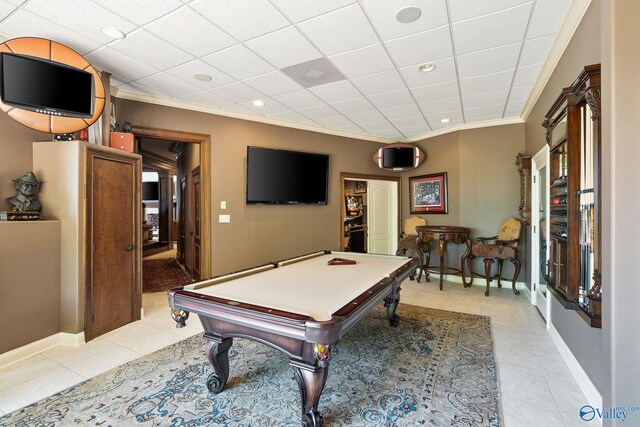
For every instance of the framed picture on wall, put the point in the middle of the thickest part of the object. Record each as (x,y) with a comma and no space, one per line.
(428,193)
(360,187)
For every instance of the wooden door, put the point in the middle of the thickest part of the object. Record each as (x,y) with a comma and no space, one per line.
(195,220)
(112,240)
(182,220)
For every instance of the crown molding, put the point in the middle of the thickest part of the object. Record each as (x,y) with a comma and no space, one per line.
(133,96)
(467,126)
(571,22)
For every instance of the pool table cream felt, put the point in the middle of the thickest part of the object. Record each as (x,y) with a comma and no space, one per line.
(309,287)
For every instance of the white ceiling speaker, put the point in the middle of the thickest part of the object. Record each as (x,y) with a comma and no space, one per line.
(408,15)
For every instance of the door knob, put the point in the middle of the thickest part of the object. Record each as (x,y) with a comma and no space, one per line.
(128,248)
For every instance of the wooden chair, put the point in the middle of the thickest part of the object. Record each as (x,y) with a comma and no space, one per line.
(409,242)
(501,247)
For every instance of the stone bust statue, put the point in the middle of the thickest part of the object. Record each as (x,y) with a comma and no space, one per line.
(25,199)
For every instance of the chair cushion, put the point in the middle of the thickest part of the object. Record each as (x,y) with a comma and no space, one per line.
(411,223)
(510,229)
(493,251)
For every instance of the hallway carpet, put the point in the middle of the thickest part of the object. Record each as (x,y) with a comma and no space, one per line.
(159,275)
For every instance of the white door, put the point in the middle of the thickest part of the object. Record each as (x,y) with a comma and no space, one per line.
(540,231)
(382,220)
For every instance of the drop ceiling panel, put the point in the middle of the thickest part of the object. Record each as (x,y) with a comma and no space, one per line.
(387,133)
(284,48)
(404,111)
(485,99)
(488,61)
(487,83)
(237,108)
(364,61)
(445,72)
(141,89)
(514,109)
(15,2)
(289,116)
(362,117)
(208,99)
(120,65)
(237,92)
(527,75)
(299,99)
(392,99)
(409,121)
(274,83)
(336,92)
(239,62)
(82,17)
(440,106)
(487,31)
(270,106)
(144,46)
(340,31)
(435,119)
(169,84)
(436,92)
(423,47)
(335,122)
(376,126)
(441,126)
(492,111)
(190,32)
(412,131)
(373,84)
(5,9)
(353,106)
(297,10)
(244,19)
(319,112)
(535,51)
(383,16)
(520,93)
(187,71)
(140,11)
(547,17)
(465,9)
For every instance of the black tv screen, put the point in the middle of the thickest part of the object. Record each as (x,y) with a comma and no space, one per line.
(398,157)
(150,190)
(45,86)
(286,177)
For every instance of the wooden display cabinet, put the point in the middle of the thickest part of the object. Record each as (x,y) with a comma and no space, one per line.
(573,135)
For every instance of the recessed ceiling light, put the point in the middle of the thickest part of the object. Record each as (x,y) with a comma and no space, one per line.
(445,120)
(258,103)
(408,15)
(202,77)
(427,68)
(113,32)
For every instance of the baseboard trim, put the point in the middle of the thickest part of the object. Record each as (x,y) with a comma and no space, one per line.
(590,391)
(527,293)
(18,354)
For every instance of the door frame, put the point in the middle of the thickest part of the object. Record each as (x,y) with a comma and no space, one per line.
(205,182)
(136,303)
(538,161)
(364,177)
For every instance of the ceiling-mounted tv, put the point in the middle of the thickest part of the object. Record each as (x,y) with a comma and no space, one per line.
(45,86)
(286,177)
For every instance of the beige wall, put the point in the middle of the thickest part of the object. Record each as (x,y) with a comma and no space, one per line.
(259,234)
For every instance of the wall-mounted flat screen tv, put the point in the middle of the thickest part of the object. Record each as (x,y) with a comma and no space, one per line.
(150,190)
(44,86)
(286,177)
(398,157)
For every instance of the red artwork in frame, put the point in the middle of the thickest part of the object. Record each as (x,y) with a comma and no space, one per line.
(428,193)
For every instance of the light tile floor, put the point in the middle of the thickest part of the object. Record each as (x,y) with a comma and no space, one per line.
(535,386)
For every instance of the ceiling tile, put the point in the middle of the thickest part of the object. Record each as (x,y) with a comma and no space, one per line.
(336,121)
(145,46)
(382,14)
(238,92)
(284,48)
(487,83)
(299,99)
(409,121)
(310,123)
(297,10)
(335,92)
(271,84)
(353,106)
(387,133)
(237,108)
(413,131)
(373,84)
(271,106)
(404,111)
(140,11)
(289,116)
(548,16)
(351,128)
(488,61)
(491,111)
(445,72)
(520,93)
(465,9)
(366,116)
(436,92)
(6,9)
(514,109)
(535,51)
(398,98)
(244,19)
(485,99)
(420,48)
(190,32)
(527,75)
(360,62)
(376,126)
(239,62)
(492,30)
(319,112)
(207,98)
(340,31)
(15,2)
(142,89)
(81,17)
(25,24)
(440,106)
(186,72)
(120,65)
(440,126)
(169,84)
(435,119)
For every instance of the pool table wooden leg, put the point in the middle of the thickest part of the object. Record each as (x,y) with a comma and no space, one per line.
(311,380)
(218,354)
(391,301)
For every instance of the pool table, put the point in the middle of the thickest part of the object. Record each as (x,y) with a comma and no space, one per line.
(301,306)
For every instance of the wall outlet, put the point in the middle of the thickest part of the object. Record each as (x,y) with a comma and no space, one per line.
(224,218)
(223,204)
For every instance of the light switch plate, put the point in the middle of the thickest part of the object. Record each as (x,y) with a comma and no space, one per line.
(223,204)
(224,218)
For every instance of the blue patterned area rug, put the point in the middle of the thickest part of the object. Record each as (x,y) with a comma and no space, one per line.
(436,369)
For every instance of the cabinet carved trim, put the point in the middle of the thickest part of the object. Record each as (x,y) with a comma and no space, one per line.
(523,162)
